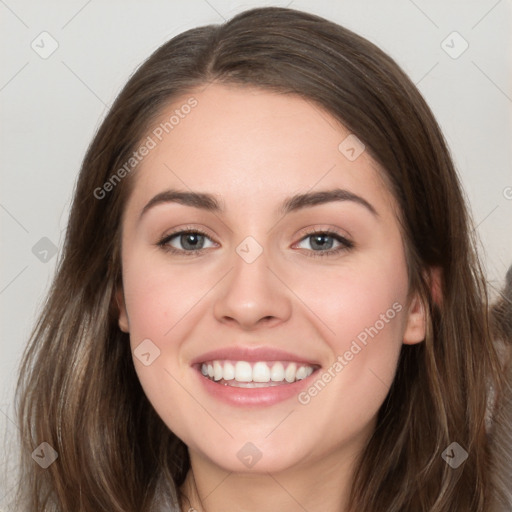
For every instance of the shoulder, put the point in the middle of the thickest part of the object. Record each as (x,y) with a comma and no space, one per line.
(500,413)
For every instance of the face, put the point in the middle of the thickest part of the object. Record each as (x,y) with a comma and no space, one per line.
(264,281)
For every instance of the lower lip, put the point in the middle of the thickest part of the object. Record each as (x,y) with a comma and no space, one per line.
(254,396)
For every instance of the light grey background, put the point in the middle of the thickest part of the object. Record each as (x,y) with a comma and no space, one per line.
(51,108)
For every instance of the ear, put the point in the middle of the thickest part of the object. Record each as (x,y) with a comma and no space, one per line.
(124,324)
(415,329)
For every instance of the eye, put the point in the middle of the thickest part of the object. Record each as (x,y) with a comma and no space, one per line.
(193,241)
(324,243)
(186,241)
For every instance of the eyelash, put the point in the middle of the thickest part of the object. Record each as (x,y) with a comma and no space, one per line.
(163,243)
(346,244)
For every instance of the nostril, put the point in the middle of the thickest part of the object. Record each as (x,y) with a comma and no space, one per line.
(268,320)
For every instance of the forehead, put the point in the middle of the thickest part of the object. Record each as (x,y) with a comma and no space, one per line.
(246,143)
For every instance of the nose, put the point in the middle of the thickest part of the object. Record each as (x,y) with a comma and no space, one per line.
(252,296)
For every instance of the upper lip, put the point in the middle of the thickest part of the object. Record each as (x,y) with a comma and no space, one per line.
(252,354)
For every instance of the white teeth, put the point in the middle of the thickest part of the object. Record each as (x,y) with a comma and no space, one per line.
(217,370)
(300,374)
(243,371)
(290,372)
(261,372)
(229,371)
(277,372)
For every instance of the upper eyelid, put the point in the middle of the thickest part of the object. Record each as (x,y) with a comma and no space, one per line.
(340,238)
(324,228)
(330,231)
(184,230)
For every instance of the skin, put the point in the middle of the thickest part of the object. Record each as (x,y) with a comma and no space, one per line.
(252,149)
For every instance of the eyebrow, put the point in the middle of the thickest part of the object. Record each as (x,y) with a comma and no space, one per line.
(210,203)
(194,199)
(300,201)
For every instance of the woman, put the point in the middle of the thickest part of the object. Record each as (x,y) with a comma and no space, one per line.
(269,296)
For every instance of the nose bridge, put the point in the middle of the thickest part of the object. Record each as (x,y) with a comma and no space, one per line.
(250,270)
(251,291)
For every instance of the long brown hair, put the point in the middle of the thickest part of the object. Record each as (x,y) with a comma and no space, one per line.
(78,390)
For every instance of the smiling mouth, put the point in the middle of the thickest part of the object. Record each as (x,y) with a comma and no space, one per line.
(260,374)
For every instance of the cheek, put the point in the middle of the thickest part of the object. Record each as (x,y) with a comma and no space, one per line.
(364,311)
(159,304)
(159,298)
(355,300)
(162,304)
